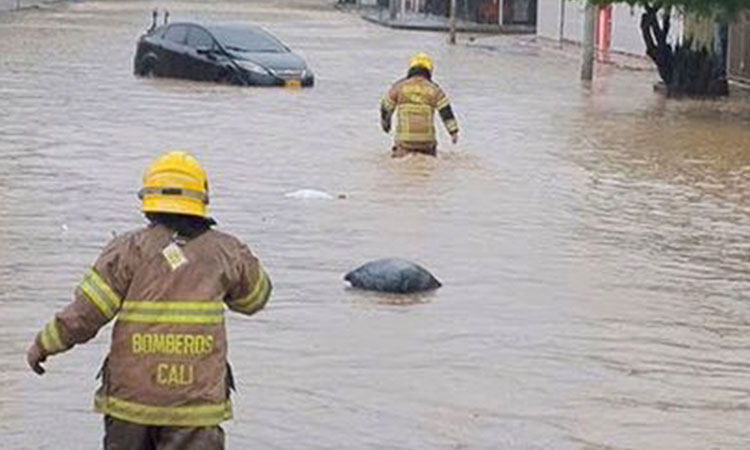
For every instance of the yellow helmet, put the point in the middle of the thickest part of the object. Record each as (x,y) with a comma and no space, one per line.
(175,183)
(421,60)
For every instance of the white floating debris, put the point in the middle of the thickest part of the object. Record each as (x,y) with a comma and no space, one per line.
(64,228)
(309,194)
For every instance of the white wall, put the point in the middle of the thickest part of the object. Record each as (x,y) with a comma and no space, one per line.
(548,19)
(574,17)
(626,30)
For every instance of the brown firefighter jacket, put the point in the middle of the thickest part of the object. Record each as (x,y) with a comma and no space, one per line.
(415,99)
(167,363)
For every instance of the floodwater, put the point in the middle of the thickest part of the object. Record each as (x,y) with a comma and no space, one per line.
(592,242)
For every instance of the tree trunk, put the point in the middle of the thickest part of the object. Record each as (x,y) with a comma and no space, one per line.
(655,37)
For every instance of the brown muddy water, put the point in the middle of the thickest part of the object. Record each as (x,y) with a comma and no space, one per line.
(592,242)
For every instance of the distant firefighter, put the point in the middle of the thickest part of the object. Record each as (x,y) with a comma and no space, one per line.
(415,99)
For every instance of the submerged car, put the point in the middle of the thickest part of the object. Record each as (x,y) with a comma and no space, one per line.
(238,54)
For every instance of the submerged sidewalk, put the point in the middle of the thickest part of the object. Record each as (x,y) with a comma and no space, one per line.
(429,22)
(8,5)
(18,5)
(568,50)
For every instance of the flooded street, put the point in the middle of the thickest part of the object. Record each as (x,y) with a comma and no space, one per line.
(593,244)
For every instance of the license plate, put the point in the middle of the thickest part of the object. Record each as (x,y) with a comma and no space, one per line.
(293,84)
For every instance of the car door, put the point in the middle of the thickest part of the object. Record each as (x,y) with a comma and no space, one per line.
(174,51)
(201,55)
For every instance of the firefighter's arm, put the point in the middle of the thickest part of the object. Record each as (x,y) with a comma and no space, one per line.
(446,114)
(251,287)
(387,107)
(97,300)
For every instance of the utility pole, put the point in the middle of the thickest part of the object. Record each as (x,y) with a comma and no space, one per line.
(562,23)
(589,27)
(721,38)
(452,32)
(393,8)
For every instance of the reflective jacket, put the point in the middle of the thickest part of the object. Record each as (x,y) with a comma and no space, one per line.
(167,363)
(415,99)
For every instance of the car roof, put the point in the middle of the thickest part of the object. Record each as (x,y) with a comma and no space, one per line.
(183,23)
(234,26)
(213,27)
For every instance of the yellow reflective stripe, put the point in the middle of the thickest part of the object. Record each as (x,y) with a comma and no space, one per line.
(51,340)
(408,136)
(451,125)
(415,108)
(415,123)
(205,306)
(443,102)
(171,318)
(100,294)
(207,312)
(415,137)
(403,124)
(93,296)
(387,103)
(259,294)
(177,416)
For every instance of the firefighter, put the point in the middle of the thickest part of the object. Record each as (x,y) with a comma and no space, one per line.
(415,99)
(166,380)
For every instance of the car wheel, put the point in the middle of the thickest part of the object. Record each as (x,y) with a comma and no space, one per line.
(230,76)
(147,68)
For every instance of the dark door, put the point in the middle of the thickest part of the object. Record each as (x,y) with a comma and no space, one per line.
(201,55)
(174,50)
(521,12)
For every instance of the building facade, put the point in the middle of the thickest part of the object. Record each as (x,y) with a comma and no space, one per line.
(738,64)
(495,12)
(617,26)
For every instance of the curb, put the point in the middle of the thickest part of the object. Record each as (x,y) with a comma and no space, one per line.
(478,28)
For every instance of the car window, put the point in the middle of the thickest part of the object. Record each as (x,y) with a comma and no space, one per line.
(246,39)
(176,33)
(199,38)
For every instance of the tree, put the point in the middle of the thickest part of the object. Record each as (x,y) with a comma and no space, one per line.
(685,70)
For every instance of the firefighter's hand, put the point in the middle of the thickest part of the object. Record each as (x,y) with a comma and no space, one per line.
(35,357)
(386,126)
(454,138)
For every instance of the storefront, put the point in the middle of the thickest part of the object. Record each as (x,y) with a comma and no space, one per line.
(504,12)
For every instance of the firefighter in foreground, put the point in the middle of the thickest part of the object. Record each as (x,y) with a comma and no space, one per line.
(166,381)
(415,99)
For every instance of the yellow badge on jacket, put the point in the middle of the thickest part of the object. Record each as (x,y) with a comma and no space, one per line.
(174,256)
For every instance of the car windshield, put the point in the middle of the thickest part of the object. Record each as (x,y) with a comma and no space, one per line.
(246,39)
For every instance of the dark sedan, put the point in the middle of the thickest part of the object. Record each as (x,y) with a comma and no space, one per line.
(243,55)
